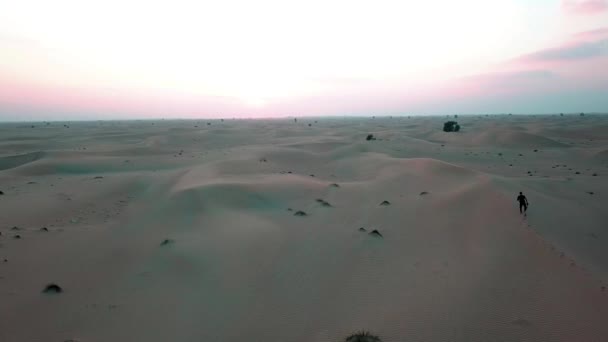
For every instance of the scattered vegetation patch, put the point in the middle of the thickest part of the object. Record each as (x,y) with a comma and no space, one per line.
(300,213)
(363,336)
(370,137)
(362,229)
(334,185)
(424,193)
(385,203)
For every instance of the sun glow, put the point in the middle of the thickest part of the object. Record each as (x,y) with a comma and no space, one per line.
(251,50)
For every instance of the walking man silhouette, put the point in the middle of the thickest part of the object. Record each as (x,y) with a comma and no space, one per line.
(523,203)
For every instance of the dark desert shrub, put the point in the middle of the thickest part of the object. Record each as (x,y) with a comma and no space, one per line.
(363,336)
(376,233)
(451,126)
(52,288)
(166,242)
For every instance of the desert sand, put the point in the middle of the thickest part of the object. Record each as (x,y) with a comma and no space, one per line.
(249,230)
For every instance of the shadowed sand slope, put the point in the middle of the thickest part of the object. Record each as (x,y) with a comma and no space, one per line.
(260,231)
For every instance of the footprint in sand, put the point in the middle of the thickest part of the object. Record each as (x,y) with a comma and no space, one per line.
(522,323)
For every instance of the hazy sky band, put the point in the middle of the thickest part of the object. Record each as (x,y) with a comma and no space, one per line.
(275,58)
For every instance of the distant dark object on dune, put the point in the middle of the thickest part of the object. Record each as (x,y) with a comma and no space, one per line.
(263,160)
(99,177)
(370,137)
(385,203)
(363,336)
(521,155)
(15,228)
(424,193)
(362,229)
(451,126)
(1,192)
(455,116)
(17,236)
(376,233)
(334,185)
(309,125)
(52,289)
(535,150)
(582,114)
(166,242)
(561,114)
(295,120)
(590,192)
(300,213)
(594,175)
(208,123)
(311,175)
(44,229)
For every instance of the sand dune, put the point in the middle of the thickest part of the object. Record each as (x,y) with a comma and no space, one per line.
(183,231)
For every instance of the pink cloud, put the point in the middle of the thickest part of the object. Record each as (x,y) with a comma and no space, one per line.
(584,7)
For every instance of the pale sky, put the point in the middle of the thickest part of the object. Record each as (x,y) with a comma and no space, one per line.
(242,58)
